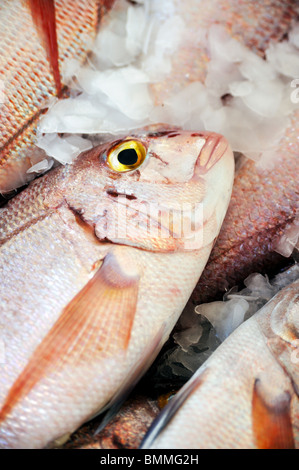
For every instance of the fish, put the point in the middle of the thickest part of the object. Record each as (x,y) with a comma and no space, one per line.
(97,260)
(245,396)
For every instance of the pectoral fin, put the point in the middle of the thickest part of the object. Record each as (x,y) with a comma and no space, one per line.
(96,324)
(271,422)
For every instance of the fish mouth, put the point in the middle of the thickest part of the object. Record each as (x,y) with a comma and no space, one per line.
(213,150)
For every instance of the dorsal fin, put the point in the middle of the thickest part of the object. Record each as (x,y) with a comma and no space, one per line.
(43,15)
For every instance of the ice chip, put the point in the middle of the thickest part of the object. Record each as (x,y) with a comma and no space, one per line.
(294,36)
(63,150)
(224,316)
(284,58)
(265,98)
(222,46)
(42,166)
(256,69)
(259,286)
(135,27)
(240,88)
(188,337)
(288,240)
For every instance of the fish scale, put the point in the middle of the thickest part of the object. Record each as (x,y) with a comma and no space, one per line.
(21,102)
(263,203)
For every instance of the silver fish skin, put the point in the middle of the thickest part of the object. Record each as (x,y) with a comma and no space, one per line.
(245,396)
(92,281)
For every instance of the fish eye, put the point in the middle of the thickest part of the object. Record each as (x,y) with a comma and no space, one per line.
(125,156)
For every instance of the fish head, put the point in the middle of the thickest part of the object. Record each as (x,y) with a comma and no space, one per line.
(166,190)
(161,191)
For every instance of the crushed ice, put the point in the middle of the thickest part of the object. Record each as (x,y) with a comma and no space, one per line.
(111,93)
(201,330)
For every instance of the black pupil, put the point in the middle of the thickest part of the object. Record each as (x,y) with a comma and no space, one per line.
(128,157)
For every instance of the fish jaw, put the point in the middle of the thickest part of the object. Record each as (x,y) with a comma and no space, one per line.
(246,393)
(61,365)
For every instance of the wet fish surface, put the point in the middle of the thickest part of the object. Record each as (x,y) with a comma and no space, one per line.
(246,394)
(80,272)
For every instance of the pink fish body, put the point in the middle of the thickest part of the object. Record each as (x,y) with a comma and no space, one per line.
(97,260)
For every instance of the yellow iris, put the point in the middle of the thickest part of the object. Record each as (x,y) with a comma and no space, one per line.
(127,155)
